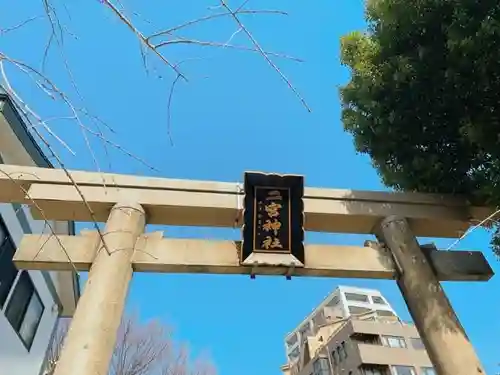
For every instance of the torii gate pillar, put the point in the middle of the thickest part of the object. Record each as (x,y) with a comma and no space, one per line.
(91,338)
(446,342)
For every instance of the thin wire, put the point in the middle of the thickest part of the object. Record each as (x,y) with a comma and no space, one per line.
(472,229)
(239,204)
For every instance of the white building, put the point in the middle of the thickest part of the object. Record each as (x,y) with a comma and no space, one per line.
(341,303)
(30,301)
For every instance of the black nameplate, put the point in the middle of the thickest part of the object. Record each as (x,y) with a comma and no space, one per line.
(273,216)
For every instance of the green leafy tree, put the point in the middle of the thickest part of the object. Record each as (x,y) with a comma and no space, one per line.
(424,96)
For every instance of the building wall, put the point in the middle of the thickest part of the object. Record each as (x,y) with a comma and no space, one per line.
(338,304)
(383,355)
(17,147)
(15,358)
(341,340)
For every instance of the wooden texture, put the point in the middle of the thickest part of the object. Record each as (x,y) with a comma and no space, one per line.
(153,253)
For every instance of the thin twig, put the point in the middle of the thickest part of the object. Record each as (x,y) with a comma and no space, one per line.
(263,53)
(212,16)
(141,37)
(18,102)
(169,111)
(169,102)
(18,26)
(28,196)
(224,45)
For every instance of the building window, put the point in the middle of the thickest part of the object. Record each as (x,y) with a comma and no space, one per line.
(373,370)
(366,338)
(291,341)
(305,331)
(394,341)
(356,310)
(385,313)
(336,358)
(321,367)
(318,320)
(334,301)
(356,297)
(341,351)
(344,349)
(403,370)
(378,300)
(8,271)
(294,354)
(24,310)
(427,371)
(417,343)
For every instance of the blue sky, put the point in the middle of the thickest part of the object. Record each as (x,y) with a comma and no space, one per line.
(234,114)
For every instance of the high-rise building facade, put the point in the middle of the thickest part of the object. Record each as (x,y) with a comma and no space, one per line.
(355,331)
(30,301)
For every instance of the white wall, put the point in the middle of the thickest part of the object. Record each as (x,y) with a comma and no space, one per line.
(370,293)
(14,357)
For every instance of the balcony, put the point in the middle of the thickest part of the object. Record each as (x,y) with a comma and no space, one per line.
(382,355)
(387,326)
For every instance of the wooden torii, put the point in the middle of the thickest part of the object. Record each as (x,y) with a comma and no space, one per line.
(127,203)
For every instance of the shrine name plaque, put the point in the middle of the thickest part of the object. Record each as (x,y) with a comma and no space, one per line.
(273,219)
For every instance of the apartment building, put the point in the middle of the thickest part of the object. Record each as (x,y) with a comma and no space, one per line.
(341,303)
(30,301)
(355,331)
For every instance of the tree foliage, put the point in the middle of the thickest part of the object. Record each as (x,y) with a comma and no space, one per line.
(424,96)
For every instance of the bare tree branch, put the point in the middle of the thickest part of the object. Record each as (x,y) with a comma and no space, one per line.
(263,53)
(19,25)
(141,349)
(141,37)
(224,45)
(212,16)
(41,127)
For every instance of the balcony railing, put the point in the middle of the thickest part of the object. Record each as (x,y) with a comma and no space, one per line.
(383,355)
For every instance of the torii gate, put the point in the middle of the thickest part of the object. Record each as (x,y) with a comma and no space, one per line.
(126,203)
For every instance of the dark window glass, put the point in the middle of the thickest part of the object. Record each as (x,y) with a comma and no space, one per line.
(403,370)
(374,370)
(334,301)
(417,343)
(341,351)
(305,331)
(295,353)
(334,358)
(8,271)
(25,309)
(292,340)
(378,300)
(344,349)
(356,297)
(394,341)
(427,371)
(357,310)
(321,367)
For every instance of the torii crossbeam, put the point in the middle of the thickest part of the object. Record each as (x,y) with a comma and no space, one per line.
(126,203)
